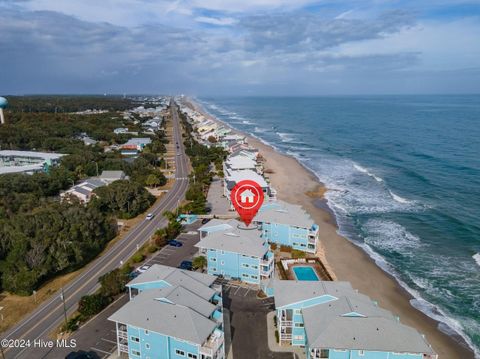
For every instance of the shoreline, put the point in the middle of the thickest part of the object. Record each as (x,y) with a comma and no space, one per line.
(345,259)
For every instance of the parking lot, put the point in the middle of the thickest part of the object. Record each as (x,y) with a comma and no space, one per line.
(98,337)
(248,320)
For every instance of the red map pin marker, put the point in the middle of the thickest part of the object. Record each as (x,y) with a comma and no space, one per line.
(247,198)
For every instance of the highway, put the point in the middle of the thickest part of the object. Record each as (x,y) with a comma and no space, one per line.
(50,314)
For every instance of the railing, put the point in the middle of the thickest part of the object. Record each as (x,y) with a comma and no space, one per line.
(123,348)
(286,323)
(122,335)
(285,336)
(211,346)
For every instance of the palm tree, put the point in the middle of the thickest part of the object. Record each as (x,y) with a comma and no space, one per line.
(199,262)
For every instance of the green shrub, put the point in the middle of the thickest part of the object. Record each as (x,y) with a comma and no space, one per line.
(277,336)
(90,305)
(137,257)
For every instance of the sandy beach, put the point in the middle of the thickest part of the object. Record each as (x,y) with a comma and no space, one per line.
(347,261)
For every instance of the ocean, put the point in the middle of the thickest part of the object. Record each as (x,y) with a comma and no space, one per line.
(403,174)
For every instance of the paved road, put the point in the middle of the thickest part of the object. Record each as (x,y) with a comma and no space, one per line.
(98,336)
(49,315)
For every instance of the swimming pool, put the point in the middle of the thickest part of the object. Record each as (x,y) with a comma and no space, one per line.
(305,273)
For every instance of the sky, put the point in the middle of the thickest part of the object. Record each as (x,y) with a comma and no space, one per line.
(240,47)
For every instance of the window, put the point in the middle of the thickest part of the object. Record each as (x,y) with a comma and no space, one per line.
(135,353)
(254,276)
(244,275)
(298,311)
(180,352)
(146,332)
(299,325)
(245,265)
(222,263)
(255,267)
(134,339)
(222,252)
(361,353)
(213,259)
(214,269)
(324,353)
(193,356)
(147,346)
(298,337)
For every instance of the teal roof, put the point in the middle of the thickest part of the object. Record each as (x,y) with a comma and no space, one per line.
(3,102)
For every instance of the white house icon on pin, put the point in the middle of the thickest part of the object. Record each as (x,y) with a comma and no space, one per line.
(247,196)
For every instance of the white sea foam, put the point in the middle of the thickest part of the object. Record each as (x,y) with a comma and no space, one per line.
(398,198)
(476,257)
(390,236)
(285,137)
(260,130)
(246,122)
(367,172)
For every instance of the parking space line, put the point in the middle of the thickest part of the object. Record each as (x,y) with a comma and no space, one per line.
(108,341)
(101,351)
(238,288)
(248,290)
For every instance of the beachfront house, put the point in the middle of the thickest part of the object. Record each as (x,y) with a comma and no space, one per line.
(289,225)
(232,177)
(134,145)
(238,163)
(333,321)
(171,314)
(236,252)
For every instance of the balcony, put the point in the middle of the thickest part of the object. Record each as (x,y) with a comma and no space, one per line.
(123,348)
(214,342)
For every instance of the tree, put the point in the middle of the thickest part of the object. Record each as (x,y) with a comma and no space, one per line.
(92,304)
(212,139)
(199,262)
(153,180)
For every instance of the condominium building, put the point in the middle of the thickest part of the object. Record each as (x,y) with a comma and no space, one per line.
(28,162)
(235,251)
(287,224)
(333,321)
(171,314)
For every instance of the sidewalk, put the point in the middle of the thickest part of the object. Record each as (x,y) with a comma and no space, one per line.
(272,341)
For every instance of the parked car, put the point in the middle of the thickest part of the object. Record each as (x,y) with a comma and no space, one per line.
(205,220)
(79,355)
(149,216)
(187,265)
(143,268)
(175,243)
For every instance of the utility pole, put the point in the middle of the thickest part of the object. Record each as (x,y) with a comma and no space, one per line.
(62,296)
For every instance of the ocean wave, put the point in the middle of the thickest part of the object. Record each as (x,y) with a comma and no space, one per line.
(398,198)
(247,122)
(390,236)
(260,130)
(285,137)
(476,257)
(447,324)
(364,170)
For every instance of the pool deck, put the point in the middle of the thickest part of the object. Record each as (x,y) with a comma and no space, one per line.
(316,267)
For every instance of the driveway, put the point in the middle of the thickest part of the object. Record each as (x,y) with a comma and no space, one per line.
(248,318)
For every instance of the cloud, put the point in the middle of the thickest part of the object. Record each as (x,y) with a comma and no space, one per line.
(216,21)
(200,47)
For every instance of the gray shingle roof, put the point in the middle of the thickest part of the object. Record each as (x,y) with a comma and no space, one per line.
(371,333)
(198,283)
(285,213)
(243,241)
(176,321)
(182,296)
(293,291)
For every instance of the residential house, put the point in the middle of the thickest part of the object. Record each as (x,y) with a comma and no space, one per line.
(235,251)
(333,321)
(171,314)
(84,190)
(231,178)
(112,176)
(239,163)
(120,130)
(287,224)
(135,145)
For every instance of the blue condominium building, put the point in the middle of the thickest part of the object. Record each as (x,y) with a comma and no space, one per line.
(287,224)
(236,252)
(333,321)
(171,314)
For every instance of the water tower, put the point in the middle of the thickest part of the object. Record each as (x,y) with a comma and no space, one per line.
(3,104)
